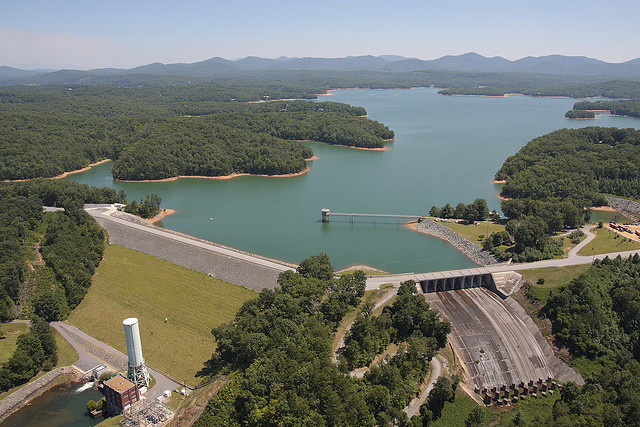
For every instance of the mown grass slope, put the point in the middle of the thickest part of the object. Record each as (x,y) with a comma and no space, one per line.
(131,284)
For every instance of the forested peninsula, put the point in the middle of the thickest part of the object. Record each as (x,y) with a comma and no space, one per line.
(553,180)
(159,133)
(620,107)
(580,164)
(608,89)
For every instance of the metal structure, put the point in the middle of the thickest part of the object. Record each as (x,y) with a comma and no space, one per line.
(137,369)
(354,217)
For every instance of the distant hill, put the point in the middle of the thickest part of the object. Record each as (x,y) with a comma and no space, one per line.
(216,67)
(12,73)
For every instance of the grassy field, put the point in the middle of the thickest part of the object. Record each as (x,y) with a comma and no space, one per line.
(8,344)
(553,278)
(67,355)
(473,232)
(454,414)
(535,411)
(131,284)
(607,241)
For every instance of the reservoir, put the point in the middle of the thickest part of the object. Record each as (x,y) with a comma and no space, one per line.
(63,405)
(447,149)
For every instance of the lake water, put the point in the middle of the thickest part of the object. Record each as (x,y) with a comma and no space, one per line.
(447,150)
(63,405)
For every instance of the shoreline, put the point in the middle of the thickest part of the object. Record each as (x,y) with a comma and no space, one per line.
(63,175)
(498,181)
(66,174)
(35,388)
(467,248)
(162,215)
(364,148)
(223,177)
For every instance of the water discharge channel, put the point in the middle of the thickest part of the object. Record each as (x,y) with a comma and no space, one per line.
(446,150)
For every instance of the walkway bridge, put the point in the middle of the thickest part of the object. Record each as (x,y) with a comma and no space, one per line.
(355,217)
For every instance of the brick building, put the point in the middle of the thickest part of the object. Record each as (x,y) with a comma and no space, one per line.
(119,394)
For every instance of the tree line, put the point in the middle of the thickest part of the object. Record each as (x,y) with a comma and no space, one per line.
(621,107)
(46,132)
(35,351)
(578,164)
(476,211)
(70,242)
(608,89)
(596,317)
(278,350)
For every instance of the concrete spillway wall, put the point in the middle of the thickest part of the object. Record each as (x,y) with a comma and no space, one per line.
(503,284)
(456,283)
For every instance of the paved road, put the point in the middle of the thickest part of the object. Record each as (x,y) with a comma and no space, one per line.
(572,259)
(438,365)
(93,353)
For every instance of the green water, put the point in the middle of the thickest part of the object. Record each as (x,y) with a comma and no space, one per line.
(447,150)
(61,406)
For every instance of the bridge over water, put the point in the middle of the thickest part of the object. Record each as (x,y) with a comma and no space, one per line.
(354,217)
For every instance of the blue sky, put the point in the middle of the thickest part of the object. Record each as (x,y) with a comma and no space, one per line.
(114,33)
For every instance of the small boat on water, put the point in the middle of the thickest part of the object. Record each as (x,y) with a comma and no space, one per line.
(210,219)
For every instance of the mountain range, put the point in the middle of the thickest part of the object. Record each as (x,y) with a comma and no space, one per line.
(220,67)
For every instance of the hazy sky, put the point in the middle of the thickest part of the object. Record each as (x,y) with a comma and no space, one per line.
(114,33)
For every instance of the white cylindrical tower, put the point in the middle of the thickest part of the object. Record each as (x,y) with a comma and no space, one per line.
(137,370)
(134,346)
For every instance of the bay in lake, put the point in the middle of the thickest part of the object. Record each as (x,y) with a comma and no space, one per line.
(447,150)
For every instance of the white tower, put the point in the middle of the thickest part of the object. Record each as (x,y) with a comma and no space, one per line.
(137,370)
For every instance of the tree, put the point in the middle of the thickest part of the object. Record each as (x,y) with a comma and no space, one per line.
(475,417)
(442,392)
(317,266)
(91,405)
(531,232)
(518,419)
(481,209)
(447,211)
(460,211)
(407,288)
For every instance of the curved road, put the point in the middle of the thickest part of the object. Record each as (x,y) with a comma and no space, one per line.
(438,364)
(93,353)
(572,259)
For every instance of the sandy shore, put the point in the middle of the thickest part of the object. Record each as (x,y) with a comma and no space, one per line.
(501,197)
(231,176)
(162,215)
(603,209)
(66,174)
(498,181)
(363,148)
(363,267)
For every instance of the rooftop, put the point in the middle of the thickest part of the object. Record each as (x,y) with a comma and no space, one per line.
(119,384)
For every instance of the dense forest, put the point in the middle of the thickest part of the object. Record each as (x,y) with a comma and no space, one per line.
(279,351)
(609,89)
(69,242)
(579,114)
(621,107)
(597,316)
(575,163)
(151,133)
(551,181)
